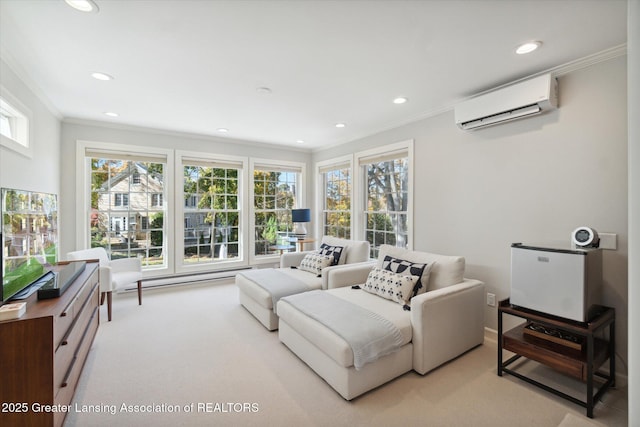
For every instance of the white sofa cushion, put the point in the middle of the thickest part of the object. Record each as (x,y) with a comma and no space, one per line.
(263,297)
(314,263)
(354,250)
(392,286)
(331,344)
(445,270)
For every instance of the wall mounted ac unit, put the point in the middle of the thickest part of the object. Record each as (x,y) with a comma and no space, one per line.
(517,101)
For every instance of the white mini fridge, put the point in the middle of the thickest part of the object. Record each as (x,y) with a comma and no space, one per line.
(563,282)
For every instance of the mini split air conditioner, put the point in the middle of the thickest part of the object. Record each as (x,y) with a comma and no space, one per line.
(513,102)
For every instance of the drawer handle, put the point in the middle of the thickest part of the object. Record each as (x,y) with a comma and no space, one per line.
(65,381)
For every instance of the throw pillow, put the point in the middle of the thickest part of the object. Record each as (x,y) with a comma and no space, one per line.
(392,286)
(407,268)
(314,263)
(334,251)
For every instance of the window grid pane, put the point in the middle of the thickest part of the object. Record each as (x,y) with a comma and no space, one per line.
(337,203)
(211,215)
(274,196)
(386,204)
(124,220)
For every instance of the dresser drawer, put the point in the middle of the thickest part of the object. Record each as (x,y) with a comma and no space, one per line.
(66,318)
(70,343)
(65,388)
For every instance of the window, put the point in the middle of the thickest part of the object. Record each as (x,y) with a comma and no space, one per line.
(386,178)
(15,122)
(335,189)
(121,200)
(275,193)
(156,200)
(212,211)
(125,206)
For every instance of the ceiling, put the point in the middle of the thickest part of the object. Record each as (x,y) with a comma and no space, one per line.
(198,66)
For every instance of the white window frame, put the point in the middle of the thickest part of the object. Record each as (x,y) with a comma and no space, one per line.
(83,193)
(20,120)
(401,148)
(321,168)
(300,201)
(183,157)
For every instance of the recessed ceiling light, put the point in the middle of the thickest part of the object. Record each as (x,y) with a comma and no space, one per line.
(111,114)
(83,5)
(299,141)
(400,100)
(528,47)
(340,125)
(223,130)
(101,76)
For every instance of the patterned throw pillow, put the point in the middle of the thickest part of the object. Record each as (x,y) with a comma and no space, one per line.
(393,286)
(334,251)
(314,263)
(407,268)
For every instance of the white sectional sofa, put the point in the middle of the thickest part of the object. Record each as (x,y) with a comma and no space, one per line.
(256,297)
(444,320)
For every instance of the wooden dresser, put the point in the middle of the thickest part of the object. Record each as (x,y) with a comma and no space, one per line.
(43,352)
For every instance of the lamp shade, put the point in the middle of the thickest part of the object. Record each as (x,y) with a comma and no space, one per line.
(301,215)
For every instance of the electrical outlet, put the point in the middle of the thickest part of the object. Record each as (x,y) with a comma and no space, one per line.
(491,299)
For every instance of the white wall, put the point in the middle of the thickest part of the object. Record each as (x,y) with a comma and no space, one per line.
(42,171)
(633,49)
(73,131)
(533,180)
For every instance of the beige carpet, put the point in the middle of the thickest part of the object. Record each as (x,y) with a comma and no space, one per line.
(193,356)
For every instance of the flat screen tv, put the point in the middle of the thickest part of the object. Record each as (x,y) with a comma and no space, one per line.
(29,230)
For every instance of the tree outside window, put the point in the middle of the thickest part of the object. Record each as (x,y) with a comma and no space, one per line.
(387,203)
(337,203)
(274,197)
(211,214)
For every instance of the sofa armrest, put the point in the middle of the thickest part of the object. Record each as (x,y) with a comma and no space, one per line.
(289,259)
(446,322)
(339,276)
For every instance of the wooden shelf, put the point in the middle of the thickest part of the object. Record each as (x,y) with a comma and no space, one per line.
(582,364)
(562,358)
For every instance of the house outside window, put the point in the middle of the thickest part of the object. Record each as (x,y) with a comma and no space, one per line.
(121,219)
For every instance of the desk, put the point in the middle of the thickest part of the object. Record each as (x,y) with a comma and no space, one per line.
(301,243)
(581,364)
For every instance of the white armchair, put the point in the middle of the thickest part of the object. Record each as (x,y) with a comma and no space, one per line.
(114,274)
